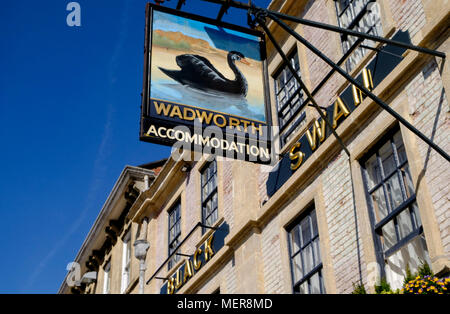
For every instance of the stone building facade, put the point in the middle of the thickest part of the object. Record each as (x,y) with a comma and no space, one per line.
(224,226)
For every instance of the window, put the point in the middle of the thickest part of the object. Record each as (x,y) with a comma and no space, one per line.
(359,15)
(289,98)
(174,232)
(394,212)
(304,250)
(107,278)
(126,261)
(209,193)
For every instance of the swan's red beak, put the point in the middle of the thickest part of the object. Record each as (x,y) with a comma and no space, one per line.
(244,61)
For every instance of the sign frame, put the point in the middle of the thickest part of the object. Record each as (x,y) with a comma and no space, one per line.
(145,115)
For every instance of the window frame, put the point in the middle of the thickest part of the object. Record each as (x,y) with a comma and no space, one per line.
(173,243)
(211,194)
(353,25)
(406,206)
(317,268)
(107,277)
(126,261)
(295,111)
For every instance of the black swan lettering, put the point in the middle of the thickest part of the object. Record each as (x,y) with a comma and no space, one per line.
(197,72)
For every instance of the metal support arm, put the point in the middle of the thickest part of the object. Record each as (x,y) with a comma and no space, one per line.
(369,94)
(260,18)
(333,28)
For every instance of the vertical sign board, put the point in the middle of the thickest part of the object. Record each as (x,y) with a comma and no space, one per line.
(204,86)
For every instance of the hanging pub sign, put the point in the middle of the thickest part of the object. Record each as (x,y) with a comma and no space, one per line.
(204,86)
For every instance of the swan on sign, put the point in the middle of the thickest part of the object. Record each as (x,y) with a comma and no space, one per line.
(197,72)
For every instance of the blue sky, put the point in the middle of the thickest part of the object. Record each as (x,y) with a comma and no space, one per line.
(69,123)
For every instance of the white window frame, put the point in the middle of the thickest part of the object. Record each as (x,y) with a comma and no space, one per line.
(126,262)
(107,278)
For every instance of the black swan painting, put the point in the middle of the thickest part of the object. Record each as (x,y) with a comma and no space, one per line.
(197,72)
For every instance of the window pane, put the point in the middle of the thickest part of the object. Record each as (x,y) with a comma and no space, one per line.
(379,204)
(408,181)
(411,255)
(389,235)
(128,251)
(317,258)
(286,86)
(209,221)
(394,191)
(214,166)
(415,213)
(294,240)
(207,208)
(387,158)
(400,147)
(214,201)
(307,258)
(171,219)
(306,231)
(205,191)
(315,283)
(297,268)
(204,177)
(306,253)
(404,223)
(315,230)
(373,171)
(304,288)
(178,228)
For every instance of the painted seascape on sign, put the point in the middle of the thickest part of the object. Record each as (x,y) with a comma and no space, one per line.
(202,65)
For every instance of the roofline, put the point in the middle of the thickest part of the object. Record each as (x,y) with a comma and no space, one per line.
(128,172)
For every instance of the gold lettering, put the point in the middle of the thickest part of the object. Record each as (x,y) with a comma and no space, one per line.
(204,116)
(368,83)
(176,112)
(161,107)
(170,286)
(178,282)
(259,128)
(245,123)
(224,121)
(296,155)
(316,129)
(197,263)
(340,109)
(188,272)
(357,95)
(234,123)
(367,79)
(186,116)
(208,249)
